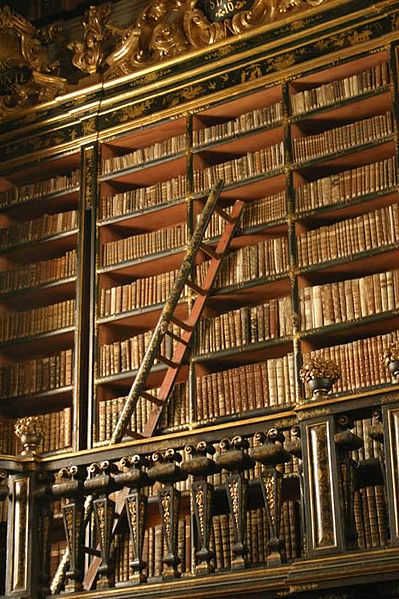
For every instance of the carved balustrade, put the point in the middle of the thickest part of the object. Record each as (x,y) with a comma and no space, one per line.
(316,466)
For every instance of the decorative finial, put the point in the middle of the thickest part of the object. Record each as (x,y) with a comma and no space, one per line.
(320,375)
(30,431)
(391,359)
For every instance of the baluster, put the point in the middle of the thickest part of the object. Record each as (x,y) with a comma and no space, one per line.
(3,485)
(200,466)
(167,471)
(24,554)
(69,486)
(270,452)
(294,447)
(132,475)
(346,442)
(101,484)
(235,459)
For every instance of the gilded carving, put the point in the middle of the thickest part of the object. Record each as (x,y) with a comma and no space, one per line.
(27,76)
(30,431)
(89,54)
(168,28)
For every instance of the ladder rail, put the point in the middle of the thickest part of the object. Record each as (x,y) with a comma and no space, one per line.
(165,318)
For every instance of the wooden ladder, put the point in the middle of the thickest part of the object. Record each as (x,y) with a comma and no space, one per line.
(168,318)
(182,341)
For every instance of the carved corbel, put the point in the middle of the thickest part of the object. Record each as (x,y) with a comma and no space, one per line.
(235,459)
(69,486)
(101,483)
(201,465)
(346,442)
(132,475)
(167,471)
(271,453)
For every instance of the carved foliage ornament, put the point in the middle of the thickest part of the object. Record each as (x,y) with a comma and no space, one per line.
(27,76)
(165,29)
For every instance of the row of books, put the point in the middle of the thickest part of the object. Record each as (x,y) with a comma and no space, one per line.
(349,237)
(154,550)
(264,259)
(176,413)
(361,362)
(148,291)
(258,212)
(249,324)
(39,228)
(137,246)
(142,197)
(36,376)
(347,185)
(370,508)
(39,189)
(57,550)
(39,273)
(343,138)
(156,151)
(14,325)
(57,431)
(249,165)
(265,210)
(256,163)
(262,385)
(342,89)
(343,301)
(126,354)
(258,117)
(221,543)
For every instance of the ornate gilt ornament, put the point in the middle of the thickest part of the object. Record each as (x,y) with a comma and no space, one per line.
(165,29)
(30,432)
(27,76)
(88,54)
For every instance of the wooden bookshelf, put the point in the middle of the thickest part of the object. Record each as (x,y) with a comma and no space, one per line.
(39,217)
(311,273)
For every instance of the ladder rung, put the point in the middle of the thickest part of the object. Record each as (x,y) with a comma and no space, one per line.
(196,287)
(180,323)
(151,398)
(207,250)
(91,551)
(176,337)
(168,362)
(134,434)
(225,215)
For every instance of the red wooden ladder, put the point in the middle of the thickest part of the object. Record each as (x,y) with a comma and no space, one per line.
(168,318)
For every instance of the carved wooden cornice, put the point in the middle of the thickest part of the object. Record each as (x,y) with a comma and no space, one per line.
(168,28)
(163,30)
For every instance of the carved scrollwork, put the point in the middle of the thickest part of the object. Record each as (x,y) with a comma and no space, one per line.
(168,28)
(27,76)
(89,54)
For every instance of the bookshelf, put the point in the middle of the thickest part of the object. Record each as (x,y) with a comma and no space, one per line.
(39,325)
(312,273)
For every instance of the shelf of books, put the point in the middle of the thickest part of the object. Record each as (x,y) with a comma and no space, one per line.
(39,215)
(312,270)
